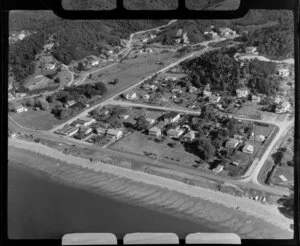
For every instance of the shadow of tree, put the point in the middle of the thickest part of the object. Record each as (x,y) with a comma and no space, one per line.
(287,205)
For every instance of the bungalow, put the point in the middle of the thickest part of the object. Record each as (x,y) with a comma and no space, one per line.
(248,148)
(150,120)
(173,133)
(95,63)
(232,143)
(131,96)
(214,99)
(116,134)
(71,131)
(260,138)
(69,104)
(238,137)
(251,50)
(218,169)
(283,72)
(243,92)
(171,117)
(255,99)
(190,136)
(50,66)
(283,108)
(154,131)
(100,131)
(20,109)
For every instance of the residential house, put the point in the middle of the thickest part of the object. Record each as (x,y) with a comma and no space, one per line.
(69,104)
(95,63)
(149,87)
(248,148)
(190,136)
(124,116)
(20,109)
(177,91)
(283,108)
(243,92)
(154,131)
(214,99)
(278,99)
(232,143)
(146,97)
(226,32)
(71,131)
(115,133)
(255,99)
(171,117)
(251,50)
(10,97)
(283,72)
(218,169)
(260,138)
(50,66)
(20,95)
(64,129)
(100,131)
(131,96)
(85,130)
(174,133)
(192,89)
(238,137)
(207,92)
(84,121)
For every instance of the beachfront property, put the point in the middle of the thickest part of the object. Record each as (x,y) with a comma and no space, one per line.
(232,143)
(116,134)
(69,103)
(283,72)
(154,131)
(284,107)
(171,117)
(248,148)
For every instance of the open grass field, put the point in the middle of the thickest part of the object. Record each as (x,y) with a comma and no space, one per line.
(249,109)
(130,71)
(262,130)
(41,120)
(138,143)
(287,172)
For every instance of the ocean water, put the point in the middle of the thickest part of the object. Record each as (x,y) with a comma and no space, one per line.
(39,208)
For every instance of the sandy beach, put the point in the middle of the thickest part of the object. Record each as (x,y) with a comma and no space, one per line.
(251,220)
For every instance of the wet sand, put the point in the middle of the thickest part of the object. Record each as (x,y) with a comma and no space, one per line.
(217,210)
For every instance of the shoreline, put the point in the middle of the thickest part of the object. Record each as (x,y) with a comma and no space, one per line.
(163,195)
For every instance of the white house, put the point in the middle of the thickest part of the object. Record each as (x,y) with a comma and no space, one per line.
(243,92)
(71,131)
(95,63)
(232,143)
(100,130)
(283,107)
(260,138)
(131,96)
(154,131)
(255,98)
(87,121)
(117,134)
(146,96)
(283,72)
(218,169)
(20,109)
(50,66)
(69,103)
(175,133)
(248,148)
(171,117)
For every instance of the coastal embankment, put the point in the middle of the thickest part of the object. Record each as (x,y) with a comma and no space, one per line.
(219,211)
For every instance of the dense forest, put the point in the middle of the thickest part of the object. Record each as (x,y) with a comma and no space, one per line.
(216,68)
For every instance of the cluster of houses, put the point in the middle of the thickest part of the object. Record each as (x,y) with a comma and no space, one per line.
(20,108)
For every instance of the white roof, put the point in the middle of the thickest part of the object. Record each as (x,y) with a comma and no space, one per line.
(113,132)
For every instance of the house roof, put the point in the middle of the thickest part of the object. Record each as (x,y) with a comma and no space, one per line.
(174,132)
(248,147)
(232,142)
(113,132)
(155,129)
(171,114)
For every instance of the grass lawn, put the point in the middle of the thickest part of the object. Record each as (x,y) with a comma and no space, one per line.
(64,76)
(263,130)
(131,71)
(248,108)
(138,143)
(287,172)
(41,120)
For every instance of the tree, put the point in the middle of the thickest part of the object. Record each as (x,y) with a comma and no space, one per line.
(30,102)
(116,81)
(11,106)
(141,123)
(40,102)
(207,150)
(57,80)
(80,66)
